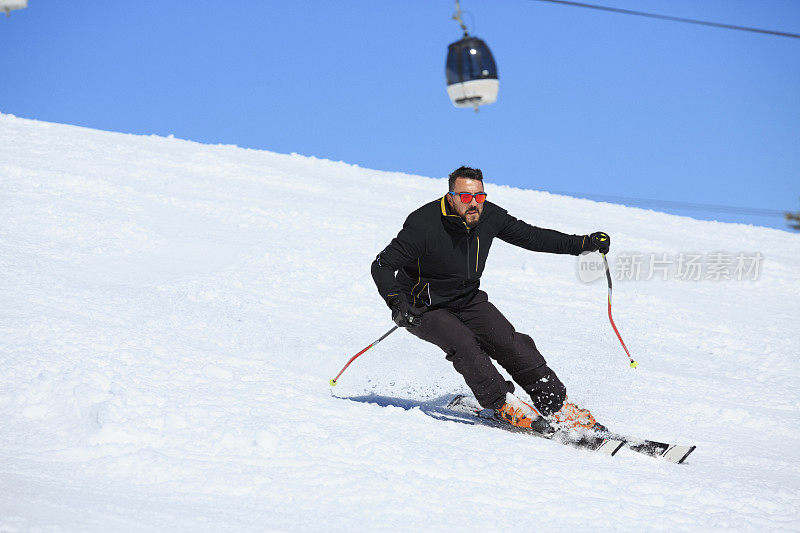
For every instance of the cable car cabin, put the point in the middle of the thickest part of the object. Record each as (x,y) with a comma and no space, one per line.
(471,73)
(8,6)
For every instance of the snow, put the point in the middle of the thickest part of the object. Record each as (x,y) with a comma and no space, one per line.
(172,312)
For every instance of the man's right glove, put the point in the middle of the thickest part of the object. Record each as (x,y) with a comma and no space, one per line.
(597,242)
(402,313)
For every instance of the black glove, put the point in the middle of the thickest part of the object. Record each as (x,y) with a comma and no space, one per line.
(402,313)
(597,242)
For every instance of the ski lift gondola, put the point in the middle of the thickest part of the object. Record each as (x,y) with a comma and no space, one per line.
(470,69)
(10,5)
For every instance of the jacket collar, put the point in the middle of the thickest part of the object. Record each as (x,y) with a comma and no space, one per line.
(451,216)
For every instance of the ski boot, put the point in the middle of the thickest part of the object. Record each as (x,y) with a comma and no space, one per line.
(572,417)
(519,414)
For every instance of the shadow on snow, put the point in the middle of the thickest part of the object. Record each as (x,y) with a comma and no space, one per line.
(436,408)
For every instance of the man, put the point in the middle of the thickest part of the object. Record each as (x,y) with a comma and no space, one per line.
(438,258)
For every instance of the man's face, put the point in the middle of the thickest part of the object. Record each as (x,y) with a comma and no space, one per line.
(471,212)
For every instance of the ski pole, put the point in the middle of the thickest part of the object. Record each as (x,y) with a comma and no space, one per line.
(634,364)
(333,381)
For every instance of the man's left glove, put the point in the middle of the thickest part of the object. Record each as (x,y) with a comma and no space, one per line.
(596,242)
(402,313)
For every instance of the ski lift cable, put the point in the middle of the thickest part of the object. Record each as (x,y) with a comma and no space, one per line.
(671,18)
(457,17)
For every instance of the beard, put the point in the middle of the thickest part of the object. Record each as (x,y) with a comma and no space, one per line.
(471,218)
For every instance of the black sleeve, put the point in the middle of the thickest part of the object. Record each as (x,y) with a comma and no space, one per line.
(519,233)
(405,248)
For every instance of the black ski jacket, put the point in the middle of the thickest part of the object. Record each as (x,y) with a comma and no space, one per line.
(439,259)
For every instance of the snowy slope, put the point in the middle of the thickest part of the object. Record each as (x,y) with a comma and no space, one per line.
(172,312)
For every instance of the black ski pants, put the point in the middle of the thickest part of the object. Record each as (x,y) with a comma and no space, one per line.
(472,335)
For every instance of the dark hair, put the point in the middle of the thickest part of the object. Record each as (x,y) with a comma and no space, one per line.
(464,172)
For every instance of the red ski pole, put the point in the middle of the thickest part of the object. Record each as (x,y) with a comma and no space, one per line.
(634,364)
(333,381)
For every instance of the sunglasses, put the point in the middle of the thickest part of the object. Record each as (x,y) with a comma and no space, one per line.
(466,197)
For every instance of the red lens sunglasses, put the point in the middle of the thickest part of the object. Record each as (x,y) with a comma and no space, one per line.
(466,197)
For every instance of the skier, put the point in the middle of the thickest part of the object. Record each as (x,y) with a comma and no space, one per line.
(438,258)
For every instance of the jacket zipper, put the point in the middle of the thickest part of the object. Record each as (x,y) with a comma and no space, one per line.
(469,238)
(477,254)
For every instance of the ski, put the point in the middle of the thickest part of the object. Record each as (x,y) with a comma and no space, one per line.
(605,441)
(585,441)
(674,453)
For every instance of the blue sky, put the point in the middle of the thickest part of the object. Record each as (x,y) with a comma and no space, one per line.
(590,102)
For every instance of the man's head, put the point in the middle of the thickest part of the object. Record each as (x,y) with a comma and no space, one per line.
(466,181)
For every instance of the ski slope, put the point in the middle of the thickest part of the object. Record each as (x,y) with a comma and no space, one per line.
(172,312)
